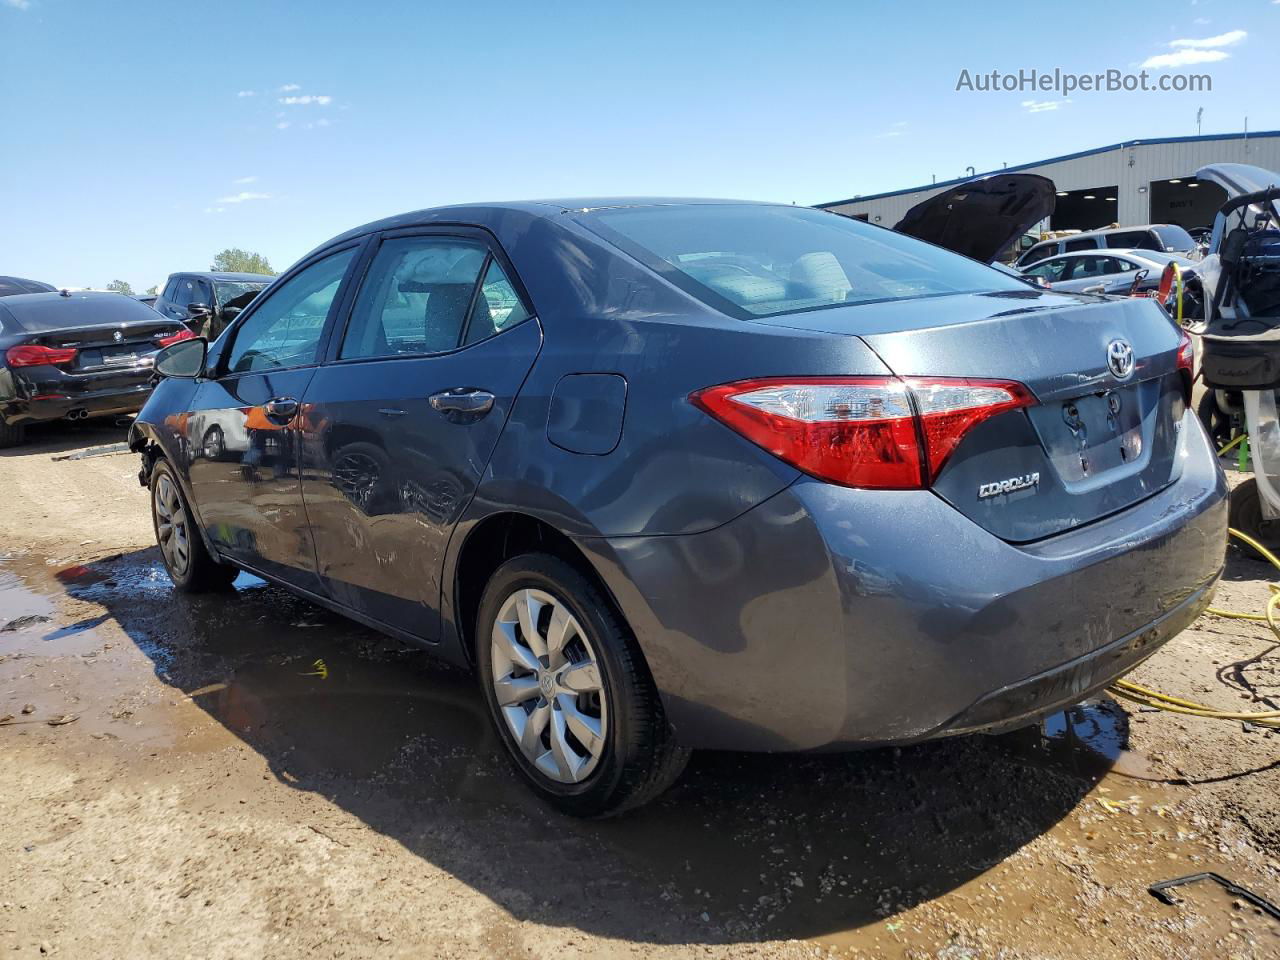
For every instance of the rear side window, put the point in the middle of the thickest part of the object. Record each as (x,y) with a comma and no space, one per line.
(285,329)
(1174,238)
(415,298)
(497,308)
(761,260)
(1086,244)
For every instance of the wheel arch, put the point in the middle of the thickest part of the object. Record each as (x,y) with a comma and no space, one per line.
(491,542)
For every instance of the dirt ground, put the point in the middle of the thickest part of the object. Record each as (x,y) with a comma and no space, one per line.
(251,776)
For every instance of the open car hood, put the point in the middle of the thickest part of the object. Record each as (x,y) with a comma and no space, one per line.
(982,218)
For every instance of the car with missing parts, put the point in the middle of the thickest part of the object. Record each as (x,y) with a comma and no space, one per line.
(673,474)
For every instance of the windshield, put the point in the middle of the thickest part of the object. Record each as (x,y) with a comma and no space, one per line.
(236,293)
(760,261)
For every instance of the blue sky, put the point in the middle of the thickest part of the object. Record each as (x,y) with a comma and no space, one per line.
(142,137)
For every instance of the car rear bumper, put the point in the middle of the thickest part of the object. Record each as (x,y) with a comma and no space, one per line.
(829,617)
(56,405)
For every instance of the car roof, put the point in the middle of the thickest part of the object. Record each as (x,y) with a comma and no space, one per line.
(223,275)
(490,214)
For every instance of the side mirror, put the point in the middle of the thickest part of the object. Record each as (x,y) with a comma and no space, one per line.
(184,360)
(197,311)
(229,313)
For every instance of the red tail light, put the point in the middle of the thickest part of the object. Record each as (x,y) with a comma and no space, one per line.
(34,355)
(176,337)
(1187,362)
(874,432)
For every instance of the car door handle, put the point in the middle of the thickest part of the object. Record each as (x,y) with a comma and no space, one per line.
(463,401)
(281,408)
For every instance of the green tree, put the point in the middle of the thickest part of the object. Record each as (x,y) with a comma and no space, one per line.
(152,290)
(120,286)
(235,260)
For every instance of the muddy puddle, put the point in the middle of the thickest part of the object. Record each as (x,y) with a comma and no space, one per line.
(929,847)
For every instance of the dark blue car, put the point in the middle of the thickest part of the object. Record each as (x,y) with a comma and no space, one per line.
(698,474)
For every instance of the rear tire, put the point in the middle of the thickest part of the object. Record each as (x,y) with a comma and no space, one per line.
(597,740)
(12,435)
(1245,514)
(187,561)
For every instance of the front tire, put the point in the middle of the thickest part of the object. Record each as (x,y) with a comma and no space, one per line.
(569,691)
(182,549)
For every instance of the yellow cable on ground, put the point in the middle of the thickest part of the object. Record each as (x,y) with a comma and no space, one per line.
(1136,693)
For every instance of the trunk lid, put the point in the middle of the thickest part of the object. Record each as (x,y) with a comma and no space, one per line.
(1094,443)
(110,346)
(982,218)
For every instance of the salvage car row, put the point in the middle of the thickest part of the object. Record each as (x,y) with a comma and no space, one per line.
(72,355)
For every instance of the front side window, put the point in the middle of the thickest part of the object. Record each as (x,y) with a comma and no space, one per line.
(285,329)
(415,298)
(192,290)
(1172,238)
(1050,270)
(752,260)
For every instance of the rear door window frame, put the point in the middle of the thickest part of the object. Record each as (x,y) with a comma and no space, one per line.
(495,253)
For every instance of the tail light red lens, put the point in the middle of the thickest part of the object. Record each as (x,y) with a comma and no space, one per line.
(1187,363)
(176,337)
(872,432)
(34,355)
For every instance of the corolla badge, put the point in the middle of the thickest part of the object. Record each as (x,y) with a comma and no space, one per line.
(997,487)
(1120,359)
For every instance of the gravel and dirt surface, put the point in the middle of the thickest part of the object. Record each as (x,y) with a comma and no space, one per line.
(247,775)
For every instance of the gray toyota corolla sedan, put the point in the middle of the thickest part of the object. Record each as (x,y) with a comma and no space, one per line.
(698,474)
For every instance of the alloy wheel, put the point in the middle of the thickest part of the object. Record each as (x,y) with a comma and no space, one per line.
(546,678)
(172,527)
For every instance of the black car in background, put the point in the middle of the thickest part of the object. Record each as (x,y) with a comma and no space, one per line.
(206,301)
(76,355)
(12,286)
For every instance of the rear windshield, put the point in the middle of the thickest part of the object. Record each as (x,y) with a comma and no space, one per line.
(760,261)
(38,312)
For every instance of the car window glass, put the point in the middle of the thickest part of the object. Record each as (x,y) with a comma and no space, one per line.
(761,260)
(497,308)
(1129,238)
(1039,252)
(1087,244)
(415,298)
(192,290)
(285,329)
(1085,267)
(1050,270)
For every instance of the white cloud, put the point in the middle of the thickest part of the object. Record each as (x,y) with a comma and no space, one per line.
(244,180)
(242,197)
(322,122)
(1041,106)
(1184,58)
(1204,21)
(322,101)
(289,86)
(19,4)
(282,125)
(247,93)
(1229,39)
(896,129)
